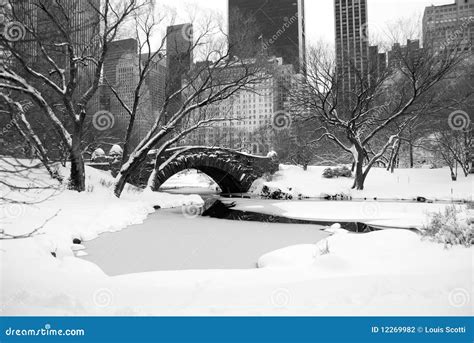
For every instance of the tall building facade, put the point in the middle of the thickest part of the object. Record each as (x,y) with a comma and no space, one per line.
(121,70)
(179,57)
(352,46)
(411,50)
(49,24)
(278,28)
(449,25)
(250,113)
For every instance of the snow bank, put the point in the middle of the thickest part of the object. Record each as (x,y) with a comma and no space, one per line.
(82,215)
(433,184)
(383,273)
(376,214)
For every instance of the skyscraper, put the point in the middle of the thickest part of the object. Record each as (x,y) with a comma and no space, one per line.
(278,27)
(352,46)
(250,112)
(52,22)
(449,25)
(121,70)
(179,57)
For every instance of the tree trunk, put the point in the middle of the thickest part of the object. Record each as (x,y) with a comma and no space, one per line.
(359,172)
(77,180)
(126,145)
(412,158)
(152,181)
(394,158)
(126,171)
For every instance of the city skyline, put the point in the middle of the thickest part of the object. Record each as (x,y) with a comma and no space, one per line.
(320,14)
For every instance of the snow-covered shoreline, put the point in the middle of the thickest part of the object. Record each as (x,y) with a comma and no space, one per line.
(432,184)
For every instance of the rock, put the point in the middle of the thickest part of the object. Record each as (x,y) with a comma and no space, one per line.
(116,150)
(76,241)
(98,154)
(215,208)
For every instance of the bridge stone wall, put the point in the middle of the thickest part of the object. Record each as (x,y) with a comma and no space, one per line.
(234,172)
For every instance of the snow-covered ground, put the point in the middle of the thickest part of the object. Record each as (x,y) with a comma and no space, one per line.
(189,179)
(433,184)
(376,214)
(392,272)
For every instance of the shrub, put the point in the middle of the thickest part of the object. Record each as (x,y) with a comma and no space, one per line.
(330,173)
(276,193)
(450,228)
(343,172)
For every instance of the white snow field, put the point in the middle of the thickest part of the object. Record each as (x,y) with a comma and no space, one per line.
(433,184)
(391,272)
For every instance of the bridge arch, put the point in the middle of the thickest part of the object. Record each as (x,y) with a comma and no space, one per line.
(233,171)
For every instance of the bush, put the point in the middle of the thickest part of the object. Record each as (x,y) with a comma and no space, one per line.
(343,172)
(276,193)
(450,228)
(330,173)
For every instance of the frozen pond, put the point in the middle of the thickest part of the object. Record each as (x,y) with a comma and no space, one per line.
(168,240)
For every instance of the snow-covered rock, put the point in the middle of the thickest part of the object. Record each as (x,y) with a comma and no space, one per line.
(98,153)
(116,150)
(272,154)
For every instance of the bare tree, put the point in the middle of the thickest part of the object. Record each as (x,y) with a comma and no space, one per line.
(367,120)
(215,80)
(51,61)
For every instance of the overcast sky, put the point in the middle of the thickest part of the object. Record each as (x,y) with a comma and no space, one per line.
(320,13)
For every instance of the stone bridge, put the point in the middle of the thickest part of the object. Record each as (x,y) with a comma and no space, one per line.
(233,171)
